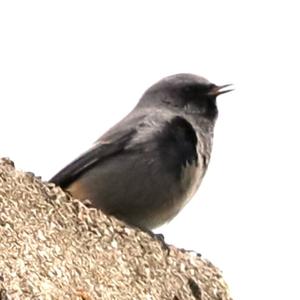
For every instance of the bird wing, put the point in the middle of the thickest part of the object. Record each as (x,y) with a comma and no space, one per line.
(100,151)
(172,141)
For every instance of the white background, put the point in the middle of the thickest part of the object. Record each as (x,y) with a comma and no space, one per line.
(71,69)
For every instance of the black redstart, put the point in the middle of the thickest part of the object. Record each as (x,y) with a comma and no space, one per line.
(149,165)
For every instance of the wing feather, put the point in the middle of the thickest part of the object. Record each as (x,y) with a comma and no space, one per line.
(100,151)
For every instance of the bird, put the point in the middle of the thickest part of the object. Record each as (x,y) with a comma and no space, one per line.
(148,166)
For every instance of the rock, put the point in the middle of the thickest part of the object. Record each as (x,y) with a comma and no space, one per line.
(56,247)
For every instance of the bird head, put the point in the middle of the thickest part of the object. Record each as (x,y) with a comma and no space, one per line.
(186,92)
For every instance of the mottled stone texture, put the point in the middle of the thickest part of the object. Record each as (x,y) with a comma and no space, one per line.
(55,247)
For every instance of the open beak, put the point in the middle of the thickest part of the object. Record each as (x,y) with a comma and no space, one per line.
(218,90)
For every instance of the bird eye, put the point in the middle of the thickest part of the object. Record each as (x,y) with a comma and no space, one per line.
(190,88)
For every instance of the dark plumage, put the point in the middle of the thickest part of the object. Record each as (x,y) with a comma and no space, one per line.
(146,168)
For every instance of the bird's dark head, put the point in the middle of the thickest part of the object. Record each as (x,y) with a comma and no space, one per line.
(188,92)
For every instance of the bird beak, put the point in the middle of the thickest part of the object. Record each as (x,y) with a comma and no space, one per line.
(218,90)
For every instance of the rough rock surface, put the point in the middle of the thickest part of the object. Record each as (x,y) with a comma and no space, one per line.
(55,247)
